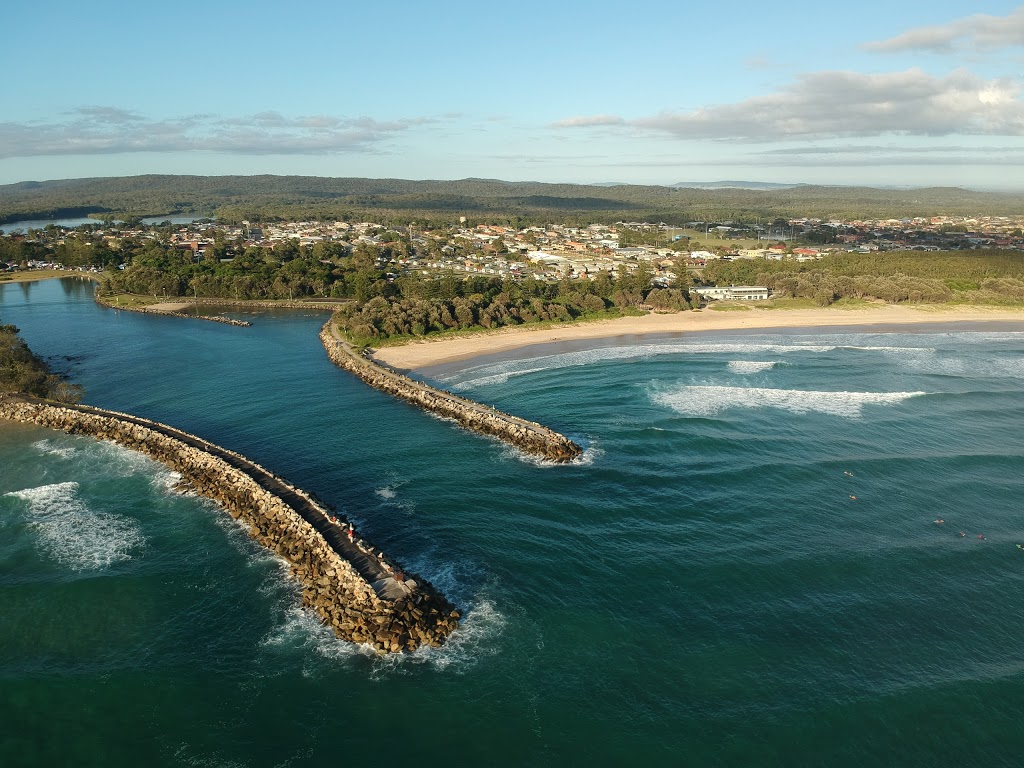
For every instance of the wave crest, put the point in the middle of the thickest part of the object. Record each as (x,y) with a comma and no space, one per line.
(749,366)
(711,400)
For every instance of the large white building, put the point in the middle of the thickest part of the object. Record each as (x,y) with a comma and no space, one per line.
(734,292)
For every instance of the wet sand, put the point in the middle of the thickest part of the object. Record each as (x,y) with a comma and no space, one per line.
(419,354)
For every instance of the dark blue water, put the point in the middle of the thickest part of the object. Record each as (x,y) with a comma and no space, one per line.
(701,590)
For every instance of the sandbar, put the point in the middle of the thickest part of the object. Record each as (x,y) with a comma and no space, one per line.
(428,352)
(171,306)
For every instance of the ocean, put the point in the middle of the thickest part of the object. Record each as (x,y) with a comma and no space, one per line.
(747,567)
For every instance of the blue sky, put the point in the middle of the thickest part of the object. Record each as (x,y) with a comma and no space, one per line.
(909,92)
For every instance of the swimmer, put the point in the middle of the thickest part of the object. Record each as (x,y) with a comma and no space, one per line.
(854,498)
(940,521)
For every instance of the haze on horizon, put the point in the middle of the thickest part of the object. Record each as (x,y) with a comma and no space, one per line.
(910,94)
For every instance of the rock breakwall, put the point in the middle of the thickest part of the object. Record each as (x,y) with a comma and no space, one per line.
(105,301)
(529,437)
(363,595)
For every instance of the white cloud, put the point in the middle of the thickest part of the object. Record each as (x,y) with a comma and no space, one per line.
(824,105)
(981,32)
(109,130)
(588,121)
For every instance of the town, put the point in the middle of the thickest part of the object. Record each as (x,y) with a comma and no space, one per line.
(547,253)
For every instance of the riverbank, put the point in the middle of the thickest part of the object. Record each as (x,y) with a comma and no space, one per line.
(420,354)
(355,589)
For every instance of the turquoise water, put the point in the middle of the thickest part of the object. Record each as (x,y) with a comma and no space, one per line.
(700,590)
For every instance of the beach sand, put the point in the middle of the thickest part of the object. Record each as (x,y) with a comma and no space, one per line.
(171,306)
(419,354)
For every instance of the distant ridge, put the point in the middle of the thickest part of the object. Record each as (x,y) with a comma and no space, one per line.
(448,202)
(732,185)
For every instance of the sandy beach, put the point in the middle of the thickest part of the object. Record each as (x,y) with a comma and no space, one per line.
(419,354)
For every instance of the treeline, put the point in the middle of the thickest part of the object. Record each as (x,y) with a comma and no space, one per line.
(979,277)
(418,308)
(21,372)
(399,201)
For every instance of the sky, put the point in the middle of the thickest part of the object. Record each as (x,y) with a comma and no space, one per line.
(908,93)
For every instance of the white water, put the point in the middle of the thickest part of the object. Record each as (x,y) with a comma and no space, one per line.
(703,401)
(74,535)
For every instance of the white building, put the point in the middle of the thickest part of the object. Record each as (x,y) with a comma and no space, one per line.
(734,292)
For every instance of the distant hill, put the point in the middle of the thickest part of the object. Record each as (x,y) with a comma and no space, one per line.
(399,201)
(732,185)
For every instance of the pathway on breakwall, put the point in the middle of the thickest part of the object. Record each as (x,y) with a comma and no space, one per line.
(363,595)
(528,436)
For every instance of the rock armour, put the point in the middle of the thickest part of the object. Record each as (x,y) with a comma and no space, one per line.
(530,437)
(362,595)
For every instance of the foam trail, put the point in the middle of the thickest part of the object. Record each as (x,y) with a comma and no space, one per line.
(499,373)
(711,400)
(50,448)
(74,535)
(749,366)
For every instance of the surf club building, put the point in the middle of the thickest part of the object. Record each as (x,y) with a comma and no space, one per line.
(734,292)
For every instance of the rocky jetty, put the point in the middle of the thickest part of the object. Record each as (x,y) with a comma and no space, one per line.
(529,437)
(364,596)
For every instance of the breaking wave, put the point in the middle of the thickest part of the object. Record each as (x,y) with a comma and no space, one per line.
(74,535)
(711,400)
(499,373)
(749,366)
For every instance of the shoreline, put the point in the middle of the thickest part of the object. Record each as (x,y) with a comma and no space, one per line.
(429,352)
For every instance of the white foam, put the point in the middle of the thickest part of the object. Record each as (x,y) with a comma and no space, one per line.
(51,448)
(499,373)
(72,534)
(386,493)
(497,378)
(900,350)
(119,461)
(591,453)
(749,366)
(711,400)
(301,629)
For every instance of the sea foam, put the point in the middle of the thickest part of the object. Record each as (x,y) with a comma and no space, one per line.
(711,400)
(74,535)
(499,373)
(749,366)
(51,448)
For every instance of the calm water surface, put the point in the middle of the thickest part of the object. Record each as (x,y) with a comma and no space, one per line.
(703,589)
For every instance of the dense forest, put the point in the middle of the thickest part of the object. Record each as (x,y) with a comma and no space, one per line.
(22,372)
(397,201)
